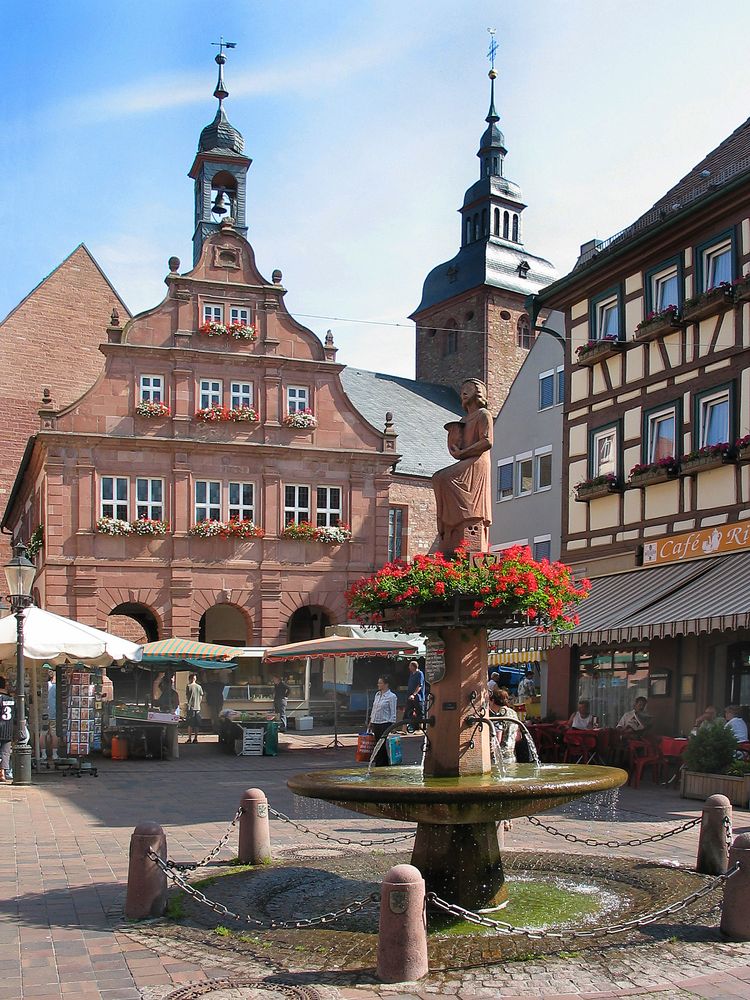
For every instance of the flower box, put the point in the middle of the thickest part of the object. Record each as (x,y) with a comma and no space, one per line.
(649,477)
(305,531)
(715,300)
(592,491)
(696,785)
(146,408)
(141,526)
(226,529)
(594,351)
(692,464)
(239,331)
(659,326)
(302,420)
(742,450)
(219,414)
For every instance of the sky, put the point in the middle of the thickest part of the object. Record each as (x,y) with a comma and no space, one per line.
(363,121)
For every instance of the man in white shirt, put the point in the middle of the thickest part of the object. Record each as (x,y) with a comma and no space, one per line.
(637,720)
(382,716)
(526,686)
(736,723)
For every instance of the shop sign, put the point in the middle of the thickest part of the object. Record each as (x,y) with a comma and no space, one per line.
(434,662)
(697,544)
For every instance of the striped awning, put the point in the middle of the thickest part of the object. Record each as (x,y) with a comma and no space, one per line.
(179,649)
(507,657)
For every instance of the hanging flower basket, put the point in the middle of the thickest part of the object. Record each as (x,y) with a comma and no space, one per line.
(463,592)
(594,351)
(598,486)
(306,531)
(303,420)
(709,303)
(657,324)
(709,457)
(234,528)
(650,473)
(146,408)
(149,526)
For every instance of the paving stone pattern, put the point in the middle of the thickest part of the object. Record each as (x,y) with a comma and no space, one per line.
(63,869)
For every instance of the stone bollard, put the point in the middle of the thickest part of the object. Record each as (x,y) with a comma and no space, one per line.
(255,837)
(402,934)
(712,845)
(147,883)
(735,913)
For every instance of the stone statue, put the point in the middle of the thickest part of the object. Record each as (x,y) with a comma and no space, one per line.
(463,491)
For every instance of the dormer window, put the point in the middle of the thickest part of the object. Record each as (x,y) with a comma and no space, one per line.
(523,269)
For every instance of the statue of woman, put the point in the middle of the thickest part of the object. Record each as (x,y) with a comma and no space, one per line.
(463,490)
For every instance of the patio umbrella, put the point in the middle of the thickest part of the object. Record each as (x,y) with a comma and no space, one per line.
(50,638)
(179,649)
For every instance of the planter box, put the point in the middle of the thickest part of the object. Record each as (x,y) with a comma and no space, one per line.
(699,786)
(691,467)
(586,493)
(743,454)
(710,304)
(742,293)
(643,479)
(453,613)
(603,350)
(658,328)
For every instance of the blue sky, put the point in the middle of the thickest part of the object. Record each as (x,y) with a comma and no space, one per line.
(363,121)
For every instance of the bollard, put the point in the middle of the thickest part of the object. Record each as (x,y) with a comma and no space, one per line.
(147,883)
(735,913)
(402,934)
(713,856)
(255,837)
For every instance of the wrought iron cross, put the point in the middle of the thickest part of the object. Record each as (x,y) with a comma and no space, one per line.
(224,45)
(491,52)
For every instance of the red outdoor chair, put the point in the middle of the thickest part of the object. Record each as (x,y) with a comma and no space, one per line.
(643,754)
(580,746)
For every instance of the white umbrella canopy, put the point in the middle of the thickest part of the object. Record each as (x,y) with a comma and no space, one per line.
(49,638)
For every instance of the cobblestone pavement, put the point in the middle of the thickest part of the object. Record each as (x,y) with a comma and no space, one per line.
(63,867)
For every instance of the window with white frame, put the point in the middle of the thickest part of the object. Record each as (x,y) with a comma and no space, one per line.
(395,533)
(608,318)
(296,504)
(115,497)
(327,506)
(546,390)
(210,392)
(297,398)
(665,288)
(543,478)
(241,506)
(152,389)
(239,314)
(213,312)
(661,435)
(505,479)
(560,387)
(604,452)
(241,394)
(542,547)
(713,418)
(717,264)
(524,475)
(207,500)
(149,498)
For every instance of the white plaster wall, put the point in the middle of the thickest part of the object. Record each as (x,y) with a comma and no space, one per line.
(633,315)
(662,500)
(633,283)
(715,488)
(605,512)
(579,309)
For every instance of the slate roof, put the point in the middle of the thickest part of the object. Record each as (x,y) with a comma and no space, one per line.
(419,410)
(221,135)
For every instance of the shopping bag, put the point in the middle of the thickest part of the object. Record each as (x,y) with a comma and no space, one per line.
(393,746)
(365,746)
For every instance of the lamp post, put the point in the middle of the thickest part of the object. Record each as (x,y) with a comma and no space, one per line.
(20,573)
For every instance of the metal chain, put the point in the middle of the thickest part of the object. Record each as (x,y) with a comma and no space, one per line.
(626,925)
(188,867)
(728,833)
(340,840)
(325,918)
(635,842)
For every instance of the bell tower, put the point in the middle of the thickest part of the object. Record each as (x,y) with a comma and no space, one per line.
(219,170)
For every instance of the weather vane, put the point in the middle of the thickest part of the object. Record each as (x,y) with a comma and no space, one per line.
(491,52)
(224,45)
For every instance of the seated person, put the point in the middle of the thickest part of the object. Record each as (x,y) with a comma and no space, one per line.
(736,723)
(637,720)
(582,719)
(706,717)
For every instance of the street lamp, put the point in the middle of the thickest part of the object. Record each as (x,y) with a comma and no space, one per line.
(20,573)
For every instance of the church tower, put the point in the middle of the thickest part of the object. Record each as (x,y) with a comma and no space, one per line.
(472,320)
(219,171)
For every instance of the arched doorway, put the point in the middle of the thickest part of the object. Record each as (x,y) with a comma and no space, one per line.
(136,623)
(225,624)
(310,622)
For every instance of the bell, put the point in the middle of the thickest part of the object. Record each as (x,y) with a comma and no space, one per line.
(218,207)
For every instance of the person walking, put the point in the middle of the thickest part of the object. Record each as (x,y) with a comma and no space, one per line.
(281,699)
(194,693)
(414,710)
(382,716)
(7,716)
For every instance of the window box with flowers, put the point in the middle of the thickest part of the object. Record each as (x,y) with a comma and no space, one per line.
(649,473)
(597,486)
(711,456)
(594,351)
(213,330)
(708,303)
(741,289)
(218,414)
(742,448)
(113,526)
(496,590)
(306,531)
(656,324)
(301,420)
(141,526)
(234,528)
(239,331)
(147,408)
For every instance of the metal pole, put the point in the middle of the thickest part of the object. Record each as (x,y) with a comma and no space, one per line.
(21,748)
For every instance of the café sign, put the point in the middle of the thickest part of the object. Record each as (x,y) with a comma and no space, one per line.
(697,544)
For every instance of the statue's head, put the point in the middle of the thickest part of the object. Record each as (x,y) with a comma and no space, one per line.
(472,388)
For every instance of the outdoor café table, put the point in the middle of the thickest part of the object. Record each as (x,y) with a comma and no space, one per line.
(672,749)
(593,743)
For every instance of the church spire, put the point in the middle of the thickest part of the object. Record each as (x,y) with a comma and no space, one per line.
(492,149)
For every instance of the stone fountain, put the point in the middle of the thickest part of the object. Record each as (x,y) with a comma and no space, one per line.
(458,796)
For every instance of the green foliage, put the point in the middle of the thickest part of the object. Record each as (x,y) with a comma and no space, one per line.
(222,931)
(175,907)
(711,750)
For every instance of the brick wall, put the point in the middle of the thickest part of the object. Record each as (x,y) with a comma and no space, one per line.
(421,527)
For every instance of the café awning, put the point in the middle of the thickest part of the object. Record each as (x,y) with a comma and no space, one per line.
(508,657)
(687,598)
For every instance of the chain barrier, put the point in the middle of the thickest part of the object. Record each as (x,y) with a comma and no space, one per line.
(635,842)
(504,928)
(340,840)
(325,918)
(728,833)
(189,867)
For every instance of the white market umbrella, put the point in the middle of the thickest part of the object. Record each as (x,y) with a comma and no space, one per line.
(49,638)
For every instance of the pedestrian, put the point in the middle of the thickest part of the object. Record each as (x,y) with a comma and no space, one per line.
(382,716)
(493,683)
(7,715)
(526,686)
(281,700)
(414,710)
(194,693)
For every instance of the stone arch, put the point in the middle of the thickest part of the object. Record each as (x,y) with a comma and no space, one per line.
(147,605)
(204,600)
(133,621)
(225,623)
(330,603)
